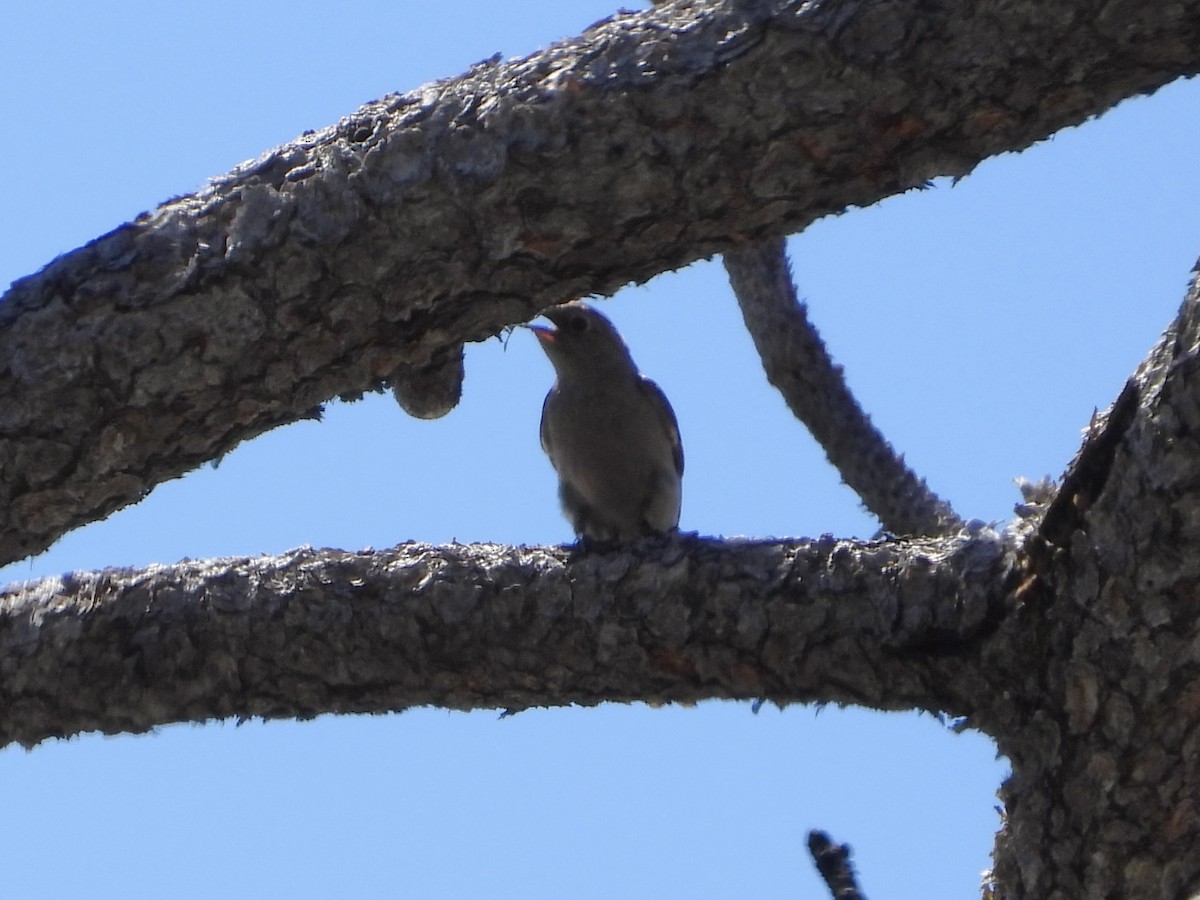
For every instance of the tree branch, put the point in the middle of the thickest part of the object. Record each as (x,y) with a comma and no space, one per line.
(378,246)
(796,362)
(483,626)
(1102,680)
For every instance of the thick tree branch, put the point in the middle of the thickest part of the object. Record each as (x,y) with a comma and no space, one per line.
(496,627)
(429,219)
(1103,673)
(797,363)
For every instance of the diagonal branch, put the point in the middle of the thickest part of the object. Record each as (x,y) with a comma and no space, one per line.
(497,627)
(797,363)
(375,248)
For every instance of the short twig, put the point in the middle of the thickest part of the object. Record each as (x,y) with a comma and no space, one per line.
(833,862)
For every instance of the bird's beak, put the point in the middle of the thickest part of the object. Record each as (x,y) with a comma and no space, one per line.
(543,334)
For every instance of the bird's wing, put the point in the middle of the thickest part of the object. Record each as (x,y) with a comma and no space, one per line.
(544,428)
(667,415)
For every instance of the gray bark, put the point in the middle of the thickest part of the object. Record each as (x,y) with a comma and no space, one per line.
(471,626)
(371,251)
(1103,676)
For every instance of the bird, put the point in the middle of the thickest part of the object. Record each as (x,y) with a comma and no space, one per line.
(609,431)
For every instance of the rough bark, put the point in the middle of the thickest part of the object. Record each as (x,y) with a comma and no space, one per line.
(465,627)
(1071,640)
(375,248)
(1101,663)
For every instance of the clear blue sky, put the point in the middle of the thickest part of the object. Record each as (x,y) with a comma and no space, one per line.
(980,325)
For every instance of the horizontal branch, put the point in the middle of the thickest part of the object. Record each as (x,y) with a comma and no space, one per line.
(484,626)
(375,248)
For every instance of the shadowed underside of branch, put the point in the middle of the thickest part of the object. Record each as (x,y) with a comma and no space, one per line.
(372,250)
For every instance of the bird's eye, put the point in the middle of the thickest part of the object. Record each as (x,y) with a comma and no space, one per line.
(578,324)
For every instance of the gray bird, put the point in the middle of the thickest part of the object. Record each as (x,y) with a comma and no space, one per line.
(609,432)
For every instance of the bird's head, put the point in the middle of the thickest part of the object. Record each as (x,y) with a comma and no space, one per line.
(582,341)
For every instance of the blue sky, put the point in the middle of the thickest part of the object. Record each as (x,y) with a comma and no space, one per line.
(980,324)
